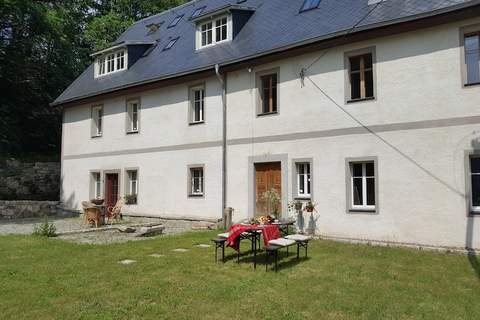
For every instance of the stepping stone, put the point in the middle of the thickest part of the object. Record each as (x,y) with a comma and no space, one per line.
(156,255)
(126,229)
(127,262)
(201,245)
(180,250)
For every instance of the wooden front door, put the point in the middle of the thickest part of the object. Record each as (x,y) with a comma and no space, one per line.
(111,189)
(268,177)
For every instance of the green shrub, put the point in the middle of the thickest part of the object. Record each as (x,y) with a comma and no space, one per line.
(45,229)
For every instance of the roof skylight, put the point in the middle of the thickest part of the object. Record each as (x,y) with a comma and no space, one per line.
(309,5)
(197,12)
(175,21)
(171,43)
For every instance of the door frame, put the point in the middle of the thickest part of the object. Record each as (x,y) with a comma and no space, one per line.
(120,181)
(252,160)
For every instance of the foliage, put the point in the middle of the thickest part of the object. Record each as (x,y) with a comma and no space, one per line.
(45,229)
(131,199)
(273,201)
(44,46)
(62,280)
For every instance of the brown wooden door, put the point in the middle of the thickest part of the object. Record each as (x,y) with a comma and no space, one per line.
(111,189)
(268,176)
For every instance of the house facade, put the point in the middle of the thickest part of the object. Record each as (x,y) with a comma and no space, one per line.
(367,108)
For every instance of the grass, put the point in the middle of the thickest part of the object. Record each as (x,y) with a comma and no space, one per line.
(52,279)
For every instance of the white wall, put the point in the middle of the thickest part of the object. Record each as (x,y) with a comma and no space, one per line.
(420,171)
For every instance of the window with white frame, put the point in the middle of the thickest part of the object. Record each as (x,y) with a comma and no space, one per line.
(214,31)
(303,180)
(362,185)
(197,104)
(97,185)
(97,121)
(196,181)
(133,110)
(132,187)
(111,62)
(475,183)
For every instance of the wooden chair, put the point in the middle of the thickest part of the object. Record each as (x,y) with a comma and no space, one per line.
(115,212)
(91,213)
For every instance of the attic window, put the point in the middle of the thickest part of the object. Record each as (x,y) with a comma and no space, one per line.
(197,12)
(153,27)
(175,21)
(111,62)
(309,5)
(214,31)
(171,43)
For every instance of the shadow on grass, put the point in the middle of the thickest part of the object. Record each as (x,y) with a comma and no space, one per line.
(285,260)
(473,259)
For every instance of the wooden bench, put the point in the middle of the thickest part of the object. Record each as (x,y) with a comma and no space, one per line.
(253,236)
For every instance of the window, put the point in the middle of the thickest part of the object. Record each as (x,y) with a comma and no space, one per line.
(268,93)
(170,44)
(361,76)
(97,119)
(214,31)
(475,183)
(175,21)
(111,62)
(97,185)
(197,104)
(303,180)
(309,4)
(221,29)
(472,58)
(132,187)
(206,34)
(197,12)
(133,110)
(362,184)
(196,181)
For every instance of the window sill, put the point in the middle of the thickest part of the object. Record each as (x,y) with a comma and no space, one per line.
(97,136)
(267,114)
(360,100)
(196,195)
(133,132)
(359,210)
(131,204)
(196,123)
(473,84)
(474,213)
(302,198)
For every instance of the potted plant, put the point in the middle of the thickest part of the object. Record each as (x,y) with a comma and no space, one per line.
(131,199)
(310,206)
(295,208)
(272,199)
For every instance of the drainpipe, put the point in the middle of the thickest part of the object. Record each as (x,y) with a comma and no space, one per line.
(221,79)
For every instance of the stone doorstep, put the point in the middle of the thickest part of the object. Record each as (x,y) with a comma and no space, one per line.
(151,231)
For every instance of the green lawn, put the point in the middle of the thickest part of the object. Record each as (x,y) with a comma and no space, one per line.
(53,279)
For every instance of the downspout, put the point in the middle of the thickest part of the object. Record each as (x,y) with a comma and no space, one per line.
(222,80)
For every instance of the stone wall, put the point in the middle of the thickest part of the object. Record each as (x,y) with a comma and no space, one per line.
(27,209)
(29,181)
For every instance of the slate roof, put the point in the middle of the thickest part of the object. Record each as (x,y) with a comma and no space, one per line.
(275,25)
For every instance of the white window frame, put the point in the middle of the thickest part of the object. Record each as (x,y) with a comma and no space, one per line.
(201,178)
(111,62)
(130,115)
(132,183)
(213,21)
(97,184)
(364,205)
(305,177)
(97,121)
(193,101)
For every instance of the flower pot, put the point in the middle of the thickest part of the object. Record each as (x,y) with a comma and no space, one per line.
(298,206)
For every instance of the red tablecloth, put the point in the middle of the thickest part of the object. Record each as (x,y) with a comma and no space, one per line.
(269,231)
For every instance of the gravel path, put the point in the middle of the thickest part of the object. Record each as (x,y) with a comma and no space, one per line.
(25,226)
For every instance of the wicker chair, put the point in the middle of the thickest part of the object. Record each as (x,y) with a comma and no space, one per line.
(91,213)
(115,212)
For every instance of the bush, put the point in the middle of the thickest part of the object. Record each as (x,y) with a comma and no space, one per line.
(45,229)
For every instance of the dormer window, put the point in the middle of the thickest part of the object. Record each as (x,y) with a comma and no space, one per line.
(111,62)
(213,31)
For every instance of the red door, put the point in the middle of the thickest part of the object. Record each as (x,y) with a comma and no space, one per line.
(111,189)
